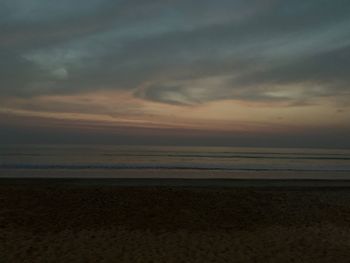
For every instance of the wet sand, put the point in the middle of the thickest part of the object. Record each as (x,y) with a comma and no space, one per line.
(72,222)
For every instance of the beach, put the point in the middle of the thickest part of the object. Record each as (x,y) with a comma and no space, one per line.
(70,221)
(174,131)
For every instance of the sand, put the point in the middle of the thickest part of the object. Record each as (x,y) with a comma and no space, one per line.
(89,223)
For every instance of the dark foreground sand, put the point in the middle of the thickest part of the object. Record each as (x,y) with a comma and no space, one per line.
(72,223)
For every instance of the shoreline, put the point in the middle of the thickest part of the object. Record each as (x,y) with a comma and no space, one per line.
(178,182)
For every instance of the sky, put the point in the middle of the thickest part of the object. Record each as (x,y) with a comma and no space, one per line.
(186,72)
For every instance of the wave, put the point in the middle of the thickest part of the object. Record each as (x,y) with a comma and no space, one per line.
(163,167)
(230,156)
(21,154)
(216,155)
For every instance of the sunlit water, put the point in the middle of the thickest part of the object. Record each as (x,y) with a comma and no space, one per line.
(146,161)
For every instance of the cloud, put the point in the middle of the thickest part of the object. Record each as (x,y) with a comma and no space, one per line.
(177,52)
(295,80)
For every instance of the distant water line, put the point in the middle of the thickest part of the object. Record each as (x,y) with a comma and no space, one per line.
(119,158)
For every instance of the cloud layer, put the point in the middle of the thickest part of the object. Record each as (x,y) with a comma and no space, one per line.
(159,48)
(184,53)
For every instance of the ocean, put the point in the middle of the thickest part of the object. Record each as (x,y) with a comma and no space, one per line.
(80,161)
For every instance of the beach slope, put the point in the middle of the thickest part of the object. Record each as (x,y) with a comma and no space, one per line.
(90,223)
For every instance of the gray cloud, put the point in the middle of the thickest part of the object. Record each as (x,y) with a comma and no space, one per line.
(180,52)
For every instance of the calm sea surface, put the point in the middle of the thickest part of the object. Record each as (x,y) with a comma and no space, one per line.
(146,161)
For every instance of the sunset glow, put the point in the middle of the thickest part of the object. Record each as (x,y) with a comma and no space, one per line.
(232,68)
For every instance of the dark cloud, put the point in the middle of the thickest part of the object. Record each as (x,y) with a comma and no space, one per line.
(329,67)
(179,52)
(18,75)
(20,130)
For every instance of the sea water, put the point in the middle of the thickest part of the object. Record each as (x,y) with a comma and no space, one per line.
(162,162)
